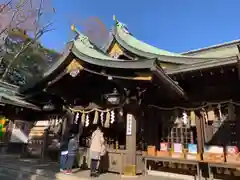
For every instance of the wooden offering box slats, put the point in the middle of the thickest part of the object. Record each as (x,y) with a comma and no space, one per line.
(151,150)
(213,154)
(192,153)
(232,155)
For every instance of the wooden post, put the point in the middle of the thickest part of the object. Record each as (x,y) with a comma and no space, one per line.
(200,133)
(130,169)
(231,113)
(238,59)
(44,145)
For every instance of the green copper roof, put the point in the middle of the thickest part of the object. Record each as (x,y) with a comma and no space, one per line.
(203,65)
(132,41)
(83,49)
(86,51)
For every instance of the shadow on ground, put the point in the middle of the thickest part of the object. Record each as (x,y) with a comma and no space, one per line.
(27,169)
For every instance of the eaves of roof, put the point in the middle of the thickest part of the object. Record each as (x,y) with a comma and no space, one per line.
(17,101)
(203,65)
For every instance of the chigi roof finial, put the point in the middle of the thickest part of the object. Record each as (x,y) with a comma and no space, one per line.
(115,19)
(74,29)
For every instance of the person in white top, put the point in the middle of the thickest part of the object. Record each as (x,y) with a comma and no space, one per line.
(96,150)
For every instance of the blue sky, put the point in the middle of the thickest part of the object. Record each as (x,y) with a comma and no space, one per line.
(174,25)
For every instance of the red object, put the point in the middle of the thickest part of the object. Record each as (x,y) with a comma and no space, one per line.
(163,146)
(232,150)
(68,172)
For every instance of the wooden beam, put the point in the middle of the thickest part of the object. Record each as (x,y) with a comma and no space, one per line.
(165,79)
(238,64)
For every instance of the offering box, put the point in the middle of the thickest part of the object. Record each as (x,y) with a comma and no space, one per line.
(164,146)
(213,154)
(232,155)
(151,151)
(163,153)
(177,148)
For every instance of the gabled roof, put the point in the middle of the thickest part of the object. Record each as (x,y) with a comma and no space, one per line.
(87,53)
(83,49)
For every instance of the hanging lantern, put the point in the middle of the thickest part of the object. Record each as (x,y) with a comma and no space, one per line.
(112,117)
(95,120)
(107,122)
(83,118)
(87,121)
(48,107)
(113,98)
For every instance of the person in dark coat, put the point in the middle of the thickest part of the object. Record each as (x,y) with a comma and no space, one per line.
(72,151)
(63,152)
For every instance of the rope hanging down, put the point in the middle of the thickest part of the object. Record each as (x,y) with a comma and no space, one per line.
(206,104)
(95,109)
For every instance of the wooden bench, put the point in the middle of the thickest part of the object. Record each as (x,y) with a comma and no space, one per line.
(172,160)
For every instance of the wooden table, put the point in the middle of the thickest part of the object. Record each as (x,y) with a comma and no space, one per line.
(173,160)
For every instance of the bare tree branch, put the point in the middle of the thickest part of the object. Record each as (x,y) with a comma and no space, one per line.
(38,33)
(18,11)
(4,6)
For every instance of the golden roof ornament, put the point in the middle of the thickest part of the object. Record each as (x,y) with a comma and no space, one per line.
(84,39)
(74,29)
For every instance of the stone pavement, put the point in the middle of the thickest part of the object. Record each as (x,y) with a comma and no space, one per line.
(14,168)
(84,175)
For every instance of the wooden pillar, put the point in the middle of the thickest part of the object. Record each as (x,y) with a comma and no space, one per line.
(231,112)
(232,126)
(68,120)
(200,133)
(130,168)
(44,145)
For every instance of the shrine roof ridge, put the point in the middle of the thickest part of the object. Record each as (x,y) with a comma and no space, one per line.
(225,44)
(125,39)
